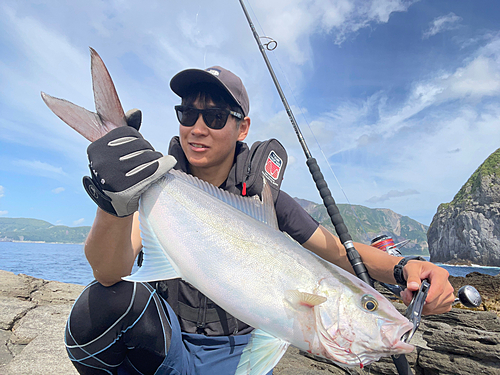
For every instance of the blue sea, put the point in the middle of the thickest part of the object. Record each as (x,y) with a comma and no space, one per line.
(67,263)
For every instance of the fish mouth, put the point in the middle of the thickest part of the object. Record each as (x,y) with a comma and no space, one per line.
(398,341)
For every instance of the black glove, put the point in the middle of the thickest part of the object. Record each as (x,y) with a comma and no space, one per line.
(122,165)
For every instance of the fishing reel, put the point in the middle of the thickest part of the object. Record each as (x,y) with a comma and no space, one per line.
(467,295)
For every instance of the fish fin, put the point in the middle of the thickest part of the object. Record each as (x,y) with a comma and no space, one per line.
(261,354)
(298,299)
(83,121)
(268,206)
(155,264)
(109,110)
(107,103)
(251,206)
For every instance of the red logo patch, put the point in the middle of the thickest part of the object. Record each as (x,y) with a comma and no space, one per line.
(273,165)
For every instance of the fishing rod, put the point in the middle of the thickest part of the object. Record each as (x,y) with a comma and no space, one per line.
(467,295)
(401,363)
(325,193)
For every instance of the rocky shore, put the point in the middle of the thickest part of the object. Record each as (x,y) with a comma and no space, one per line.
(33,314)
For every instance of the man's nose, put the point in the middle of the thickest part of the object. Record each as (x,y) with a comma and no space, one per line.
(200,127)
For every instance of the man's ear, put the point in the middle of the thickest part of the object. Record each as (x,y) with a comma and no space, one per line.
(244,128)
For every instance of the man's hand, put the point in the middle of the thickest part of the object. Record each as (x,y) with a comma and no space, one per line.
(440,296)
(122,165)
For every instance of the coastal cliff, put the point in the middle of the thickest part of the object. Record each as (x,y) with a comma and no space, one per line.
(33,313)
(468,228)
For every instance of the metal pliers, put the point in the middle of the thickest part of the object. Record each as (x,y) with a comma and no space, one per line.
(414,310)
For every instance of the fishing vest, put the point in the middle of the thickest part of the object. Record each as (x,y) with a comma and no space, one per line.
(196,312)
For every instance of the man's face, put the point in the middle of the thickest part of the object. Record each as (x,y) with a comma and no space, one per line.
(208,148)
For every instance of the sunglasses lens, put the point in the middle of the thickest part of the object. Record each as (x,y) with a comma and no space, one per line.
(187,116)
(215,118)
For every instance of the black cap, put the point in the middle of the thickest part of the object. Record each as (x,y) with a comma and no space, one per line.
(182,82)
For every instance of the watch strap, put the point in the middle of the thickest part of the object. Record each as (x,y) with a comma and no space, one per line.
(398,269)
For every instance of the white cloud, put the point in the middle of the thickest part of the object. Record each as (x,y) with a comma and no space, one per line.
(355,124)
(444,23)
(392,194)
(447,122)
(38,168)
(479,78)
(3,213)
(78,222)
(58,190)
(293,22)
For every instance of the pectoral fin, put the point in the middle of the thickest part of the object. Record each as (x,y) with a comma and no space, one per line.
(155,266)
(262,353)
(299,299)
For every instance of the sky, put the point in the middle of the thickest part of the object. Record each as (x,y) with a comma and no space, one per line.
(398,100)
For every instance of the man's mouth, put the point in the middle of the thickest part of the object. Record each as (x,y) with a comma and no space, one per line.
(198,146)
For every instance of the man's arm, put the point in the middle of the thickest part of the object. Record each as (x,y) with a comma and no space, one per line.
(380,266)
(112,246)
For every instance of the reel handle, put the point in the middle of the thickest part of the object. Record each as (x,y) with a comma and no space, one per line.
(469,296)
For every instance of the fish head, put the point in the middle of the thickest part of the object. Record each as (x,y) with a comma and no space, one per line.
(356,325)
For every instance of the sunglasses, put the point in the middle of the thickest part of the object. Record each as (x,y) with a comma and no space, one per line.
(215,118)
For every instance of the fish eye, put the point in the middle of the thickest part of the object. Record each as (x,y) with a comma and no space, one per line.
(369,303)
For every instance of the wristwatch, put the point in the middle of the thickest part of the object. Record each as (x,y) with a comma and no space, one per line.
(398,269)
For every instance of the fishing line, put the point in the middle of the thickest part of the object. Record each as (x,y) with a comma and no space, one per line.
(271,46)
(315,171)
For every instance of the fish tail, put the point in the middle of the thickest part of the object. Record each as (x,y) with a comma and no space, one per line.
(109,111)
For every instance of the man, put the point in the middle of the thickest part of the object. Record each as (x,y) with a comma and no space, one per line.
(123,327)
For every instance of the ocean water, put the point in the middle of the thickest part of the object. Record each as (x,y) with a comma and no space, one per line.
(59,262)
(67,262)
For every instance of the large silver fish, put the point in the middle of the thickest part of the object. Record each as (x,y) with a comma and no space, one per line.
(229,247)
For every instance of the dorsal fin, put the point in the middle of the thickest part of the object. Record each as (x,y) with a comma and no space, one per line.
(252,206)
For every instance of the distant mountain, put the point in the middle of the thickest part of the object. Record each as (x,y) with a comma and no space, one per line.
(20,229)
(374,221)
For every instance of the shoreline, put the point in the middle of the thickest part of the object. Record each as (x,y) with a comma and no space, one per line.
(465,263)
(55,243)
(33,315)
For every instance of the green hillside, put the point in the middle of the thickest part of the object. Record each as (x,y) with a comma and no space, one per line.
(489,168)
(20,229)
(374,222)
(365,223)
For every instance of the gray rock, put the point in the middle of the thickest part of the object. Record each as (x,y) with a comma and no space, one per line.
(33,313)
(468,228)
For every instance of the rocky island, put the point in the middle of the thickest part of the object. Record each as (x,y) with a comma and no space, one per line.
(467,230)
(33,313)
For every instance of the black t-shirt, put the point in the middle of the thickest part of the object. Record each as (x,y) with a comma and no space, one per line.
(293,219)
